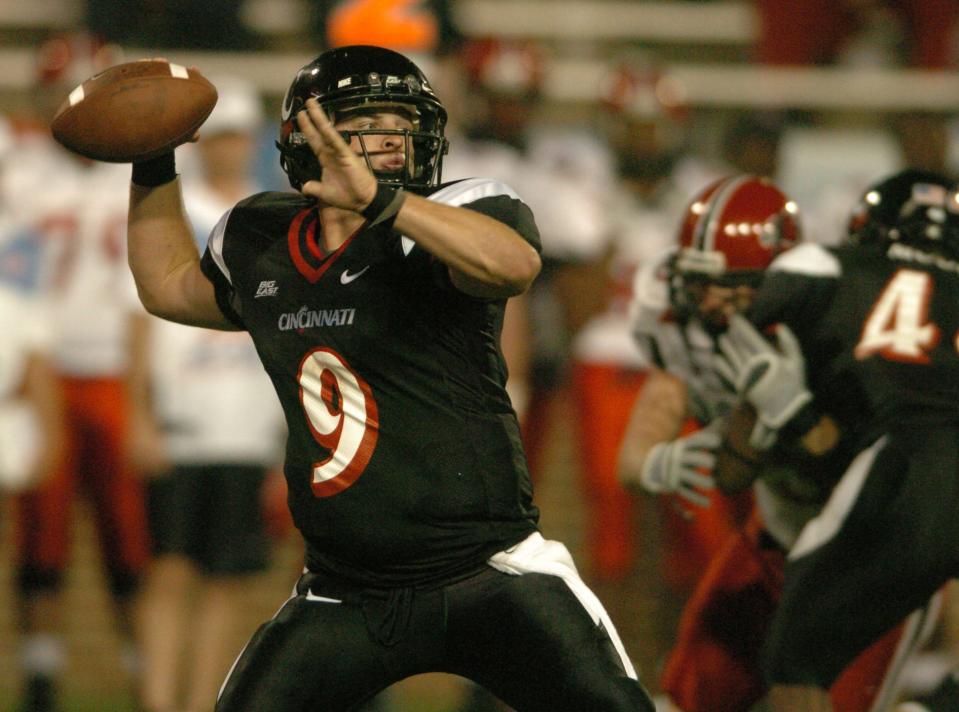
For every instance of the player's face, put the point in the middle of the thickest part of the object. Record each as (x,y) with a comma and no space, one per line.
(717,303)
(387,151)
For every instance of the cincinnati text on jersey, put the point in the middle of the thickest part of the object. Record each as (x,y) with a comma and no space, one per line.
(311,318)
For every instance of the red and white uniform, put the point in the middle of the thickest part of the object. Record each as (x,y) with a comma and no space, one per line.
(608,371)
(715,662)
(79,210)
(686,352)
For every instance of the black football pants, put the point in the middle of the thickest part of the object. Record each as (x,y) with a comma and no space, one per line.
(525,638)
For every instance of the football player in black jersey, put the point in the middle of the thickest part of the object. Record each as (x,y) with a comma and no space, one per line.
(375,298)
(867,377)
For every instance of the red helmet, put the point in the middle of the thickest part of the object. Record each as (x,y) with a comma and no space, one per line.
(639,88)
(503,66)
(734,227)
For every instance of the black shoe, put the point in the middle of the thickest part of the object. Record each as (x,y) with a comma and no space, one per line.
(39,695)
(944,698)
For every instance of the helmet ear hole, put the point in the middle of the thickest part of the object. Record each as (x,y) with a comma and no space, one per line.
(358,76)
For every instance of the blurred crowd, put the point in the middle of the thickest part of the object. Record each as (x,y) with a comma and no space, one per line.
(154,423)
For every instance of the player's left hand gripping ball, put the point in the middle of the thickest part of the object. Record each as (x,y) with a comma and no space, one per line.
(134,111)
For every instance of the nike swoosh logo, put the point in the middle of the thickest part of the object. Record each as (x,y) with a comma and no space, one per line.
(346,277)
(310,596)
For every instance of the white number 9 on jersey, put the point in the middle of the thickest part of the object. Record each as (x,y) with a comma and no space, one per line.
(342,416)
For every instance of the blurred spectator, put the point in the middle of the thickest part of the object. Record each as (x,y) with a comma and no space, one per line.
(647,124)
(817,31)
(204,429)
(79,209)
(31,409)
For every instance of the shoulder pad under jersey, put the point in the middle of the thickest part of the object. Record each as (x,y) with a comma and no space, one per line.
(809,259)
(470,190)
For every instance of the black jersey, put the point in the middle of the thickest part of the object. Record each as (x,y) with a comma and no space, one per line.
(878,326)
(404,462)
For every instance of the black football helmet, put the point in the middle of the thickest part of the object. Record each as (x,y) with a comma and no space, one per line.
(349,78)
(912,205)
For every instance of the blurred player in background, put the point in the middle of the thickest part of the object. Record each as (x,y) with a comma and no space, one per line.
(207,428)
(861,325)
(645,121)
(715,662)
(78,209)
(681,302)
(31,408)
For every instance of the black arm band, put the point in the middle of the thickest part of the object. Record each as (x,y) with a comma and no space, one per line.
(156,171)
(385,204)
(728,449)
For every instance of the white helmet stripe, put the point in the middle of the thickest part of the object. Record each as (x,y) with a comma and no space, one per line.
(708,224)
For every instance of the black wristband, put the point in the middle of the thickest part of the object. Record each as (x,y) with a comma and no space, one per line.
(156,171)
(385,204)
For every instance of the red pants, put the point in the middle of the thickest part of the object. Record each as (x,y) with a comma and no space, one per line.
(603,398)
(714,666)
(96,421)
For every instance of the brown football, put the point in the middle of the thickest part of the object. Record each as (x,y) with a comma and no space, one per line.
(733,471)
(134,111)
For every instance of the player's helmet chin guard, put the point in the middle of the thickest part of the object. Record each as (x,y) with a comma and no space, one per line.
(357,76)
(912,206)
(729,234)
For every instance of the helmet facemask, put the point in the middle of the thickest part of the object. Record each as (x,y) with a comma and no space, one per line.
(705,296)
(343,81)
(422,150)
(730,233)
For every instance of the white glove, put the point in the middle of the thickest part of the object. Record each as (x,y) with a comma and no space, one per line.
(674,467)
(772,380)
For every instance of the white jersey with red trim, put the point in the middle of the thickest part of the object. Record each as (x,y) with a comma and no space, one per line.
(26,333)
(79,209)
(685,350)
